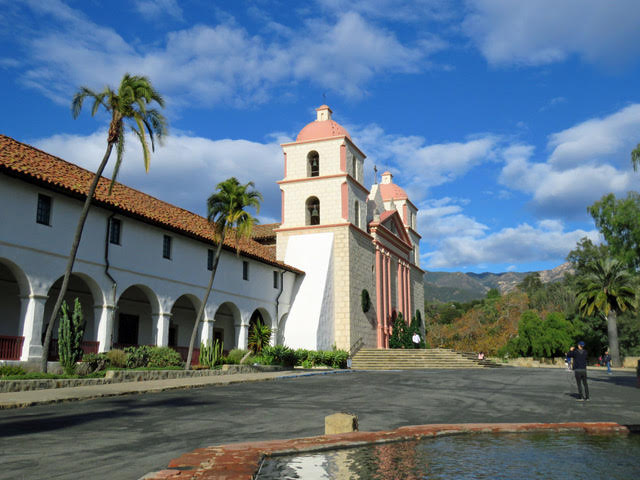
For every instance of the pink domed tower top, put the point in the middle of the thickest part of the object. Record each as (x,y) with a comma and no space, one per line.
(322,127)
(391,191)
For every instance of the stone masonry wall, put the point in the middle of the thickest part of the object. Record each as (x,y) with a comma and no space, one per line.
(363,276)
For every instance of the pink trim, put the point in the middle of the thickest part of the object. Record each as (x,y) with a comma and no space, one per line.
(282,207)
(344,193)
(400,290)
(389,306)
(406,292)
(347,139)
(409,293)
(311,227)
(379,312)
(404,213)
(343,158)
(285,164)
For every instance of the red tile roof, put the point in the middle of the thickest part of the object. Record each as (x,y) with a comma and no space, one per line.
(28,163)
(264,231)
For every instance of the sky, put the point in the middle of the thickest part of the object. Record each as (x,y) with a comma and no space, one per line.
(502,120)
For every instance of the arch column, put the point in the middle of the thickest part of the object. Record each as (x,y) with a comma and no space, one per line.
(207,331)
(406,292)
(400,290)
(103,318)
(242,335)
(31,318)
(161,322)
(409,289)
(389,309)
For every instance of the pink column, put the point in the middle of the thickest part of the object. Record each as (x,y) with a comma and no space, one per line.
(409,288)
(379,312)
(406,292)
(400,289)
(383,296)
(389,309)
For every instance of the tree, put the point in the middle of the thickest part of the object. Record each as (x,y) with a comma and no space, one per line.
(635,157)
(619,222)
(226,210)
(259,337)
(531,283)
(607,289)
(585,253)
(127,106)
(70,335)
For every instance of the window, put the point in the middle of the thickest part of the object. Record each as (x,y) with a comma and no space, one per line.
(275,279)
(356,218)
(43,214)
(210,260)
(313,164)
(354,167)
(313,211)
(115,227)
(245,270)
(166,247)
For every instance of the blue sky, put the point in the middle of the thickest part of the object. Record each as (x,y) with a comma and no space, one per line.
(503,120)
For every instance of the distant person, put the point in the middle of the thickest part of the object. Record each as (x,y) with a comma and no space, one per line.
(579,358)
(567,361)
(481,356)
(606,359)
(416,340)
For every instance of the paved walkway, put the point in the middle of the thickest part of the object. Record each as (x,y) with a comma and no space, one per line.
(56,395)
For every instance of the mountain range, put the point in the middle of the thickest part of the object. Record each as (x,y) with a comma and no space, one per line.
(464,287)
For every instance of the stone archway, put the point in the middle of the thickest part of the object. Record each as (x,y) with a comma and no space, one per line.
(134,323)
(224,325)
(13,286)
(183,315)
(88,293)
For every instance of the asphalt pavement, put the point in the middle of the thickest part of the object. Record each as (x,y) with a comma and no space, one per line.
(124,437)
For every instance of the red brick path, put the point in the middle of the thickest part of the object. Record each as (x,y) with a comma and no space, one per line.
(240,461)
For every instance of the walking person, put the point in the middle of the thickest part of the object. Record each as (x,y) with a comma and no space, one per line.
(606,359)
(579,357)
(416,340)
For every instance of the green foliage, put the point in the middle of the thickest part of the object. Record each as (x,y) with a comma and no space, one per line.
(531,284)
(401,334)
(117,358)
(493,294)
(235,355)
(365,300)
(629,335)
(70,333)
(138,356)
(316,358)
(211,354)
(96,361)
(550,337)
(259,337)
(8,370)
(619,222)
(163,357)
(280,355)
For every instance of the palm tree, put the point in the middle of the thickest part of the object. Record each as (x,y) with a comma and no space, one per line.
(226,210)
(635,157)
(607,288)
(127,105)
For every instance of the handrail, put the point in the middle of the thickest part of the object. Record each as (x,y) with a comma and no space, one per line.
(355,348)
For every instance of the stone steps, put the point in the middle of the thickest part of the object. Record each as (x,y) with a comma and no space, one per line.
(418,359)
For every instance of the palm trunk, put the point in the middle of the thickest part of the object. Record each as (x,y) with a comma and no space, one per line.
(612,330)
(72,257)
(194,332)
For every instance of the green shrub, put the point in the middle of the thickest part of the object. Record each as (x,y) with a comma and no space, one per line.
(7,370)
(339,359)
(307,364)
(235,355)
(138,356)
(117,358)
(96,361)
(210,354)
(162,357)
(302,355)
(259,337)
(281,355)
(70,333)
(365,301)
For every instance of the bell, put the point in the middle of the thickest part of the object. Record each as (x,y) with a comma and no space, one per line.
(315,212)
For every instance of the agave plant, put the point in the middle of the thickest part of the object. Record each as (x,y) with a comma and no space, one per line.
(259,337)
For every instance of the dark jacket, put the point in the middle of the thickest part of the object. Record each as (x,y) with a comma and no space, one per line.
(579,358)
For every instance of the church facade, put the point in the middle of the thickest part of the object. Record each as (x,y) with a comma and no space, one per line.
(143,264)
(351,242)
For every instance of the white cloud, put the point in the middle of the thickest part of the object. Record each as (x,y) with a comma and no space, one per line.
(154,9)
(207,65)
(429,164)
(521,244)
(442,218)
(611,138)
(186,170)
(586,162)
(548,31)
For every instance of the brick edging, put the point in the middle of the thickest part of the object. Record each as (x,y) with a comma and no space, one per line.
(238,461)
